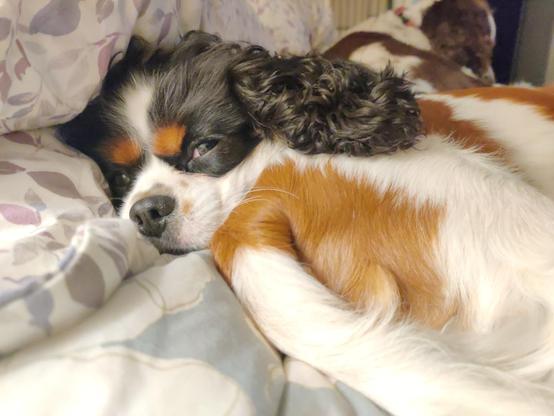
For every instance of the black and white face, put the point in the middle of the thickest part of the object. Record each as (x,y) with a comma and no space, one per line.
(193,134)
(182,140)
(165,138)
(179,210)
(180,132)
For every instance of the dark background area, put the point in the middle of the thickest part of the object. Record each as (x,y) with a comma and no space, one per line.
(507,14)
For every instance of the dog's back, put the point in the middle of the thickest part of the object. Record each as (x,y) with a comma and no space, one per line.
(512,123)
(446,236)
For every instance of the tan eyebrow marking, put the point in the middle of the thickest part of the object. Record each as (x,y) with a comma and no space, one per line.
(123,151)
(169,139)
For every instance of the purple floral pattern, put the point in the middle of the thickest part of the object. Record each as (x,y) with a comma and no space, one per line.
(51,46)
(62,256)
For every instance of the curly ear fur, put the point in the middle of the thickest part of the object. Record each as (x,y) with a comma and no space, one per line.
(323,106)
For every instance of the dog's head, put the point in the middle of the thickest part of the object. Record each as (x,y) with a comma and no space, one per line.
(463,31)
(182,135)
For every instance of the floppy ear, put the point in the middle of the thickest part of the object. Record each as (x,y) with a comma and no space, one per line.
(322,106)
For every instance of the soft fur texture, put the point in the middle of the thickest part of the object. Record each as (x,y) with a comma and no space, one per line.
(93,129)
(422,278)
(322,106)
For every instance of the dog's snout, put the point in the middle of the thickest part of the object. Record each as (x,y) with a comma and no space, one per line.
(150,214)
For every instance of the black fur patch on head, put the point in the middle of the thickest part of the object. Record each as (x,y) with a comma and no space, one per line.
(323,106)
(229,96)
(194,92)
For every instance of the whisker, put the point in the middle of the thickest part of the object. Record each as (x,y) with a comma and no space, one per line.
(256,189)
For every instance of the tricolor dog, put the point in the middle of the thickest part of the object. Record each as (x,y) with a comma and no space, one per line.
(416,268)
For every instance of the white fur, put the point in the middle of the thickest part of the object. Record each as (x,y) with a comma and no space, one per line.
(420,86)
(406,369)
(416,10)
(376,57)
(497,261)
(133,113)
(492,26)
(523,130)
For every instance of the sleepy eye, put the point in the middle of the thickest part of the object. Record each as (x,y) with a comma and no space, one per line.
(121,180)
(204,147)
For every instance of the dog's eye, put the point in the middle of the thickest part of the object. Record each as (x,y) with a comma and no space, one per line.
(204,147)
(121,180)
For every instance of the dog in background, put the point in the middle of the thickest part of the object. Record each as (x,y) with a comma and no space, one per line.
(440,44)
(423,278)
(428,71)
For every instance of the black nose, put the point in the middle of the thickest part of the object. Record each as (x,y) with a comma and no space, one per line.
(150,214)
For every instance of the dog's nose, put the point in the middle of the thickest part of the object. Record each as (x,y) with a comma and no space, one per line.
(150,214)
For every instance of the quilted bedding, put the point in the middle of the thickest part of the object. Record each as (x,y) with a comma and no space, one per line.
(93,321)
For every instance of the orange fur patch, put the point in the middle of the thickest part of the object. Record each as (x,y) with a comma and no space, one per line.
(438,118)
(168,140)
(549,89)
(367,246)
(123,151)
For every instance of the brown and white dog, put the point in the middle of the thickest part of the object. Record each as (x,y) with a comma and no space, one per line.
(423,278)
(439,44)
(428,71)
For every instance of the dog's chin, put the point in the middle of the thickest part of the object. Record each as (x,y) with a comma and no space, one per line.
(170,247)
(165,247)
